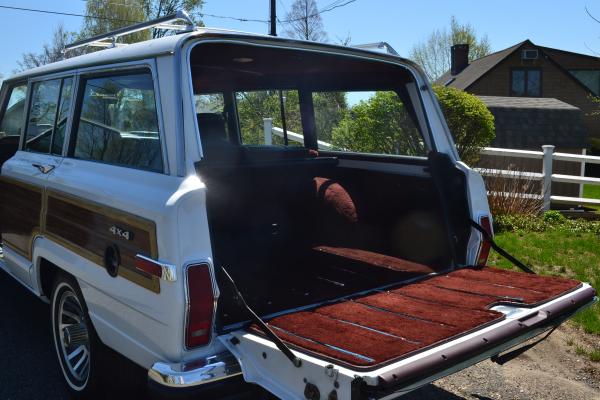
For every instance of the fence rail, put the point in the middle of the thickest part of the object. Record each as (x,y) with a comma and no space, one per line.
(548,156)
(546,177)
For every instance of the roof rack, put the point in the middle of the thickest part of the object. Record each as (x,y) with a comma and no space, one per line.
(378,45)
(109,39)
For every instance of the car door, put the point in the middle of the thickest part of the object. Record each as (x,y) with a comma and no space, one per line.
(25,175)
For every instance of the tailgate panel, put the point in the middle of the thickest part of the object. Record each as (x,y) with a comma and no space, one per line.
(377,329)
(391,342)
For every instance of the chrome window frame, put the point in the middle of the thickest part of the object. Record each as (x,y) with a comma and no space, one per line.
(118,68)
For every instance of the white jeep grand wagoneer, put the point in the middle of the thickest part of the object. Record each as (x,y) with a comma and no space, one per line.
(216,205)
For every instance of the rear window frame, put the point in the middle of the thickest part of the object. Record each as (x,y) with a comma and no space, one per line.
(420,85)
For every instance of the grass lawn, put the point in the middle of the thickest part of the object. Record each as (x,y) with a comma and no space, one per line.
(556,252)
(592,192)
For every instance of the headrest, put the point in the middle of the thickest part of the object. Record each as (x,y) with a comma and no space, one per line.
(212,128)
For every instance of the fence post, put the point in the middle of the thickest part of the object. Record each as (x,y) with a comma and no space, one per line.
(582,172)
(547,173)
(268,130)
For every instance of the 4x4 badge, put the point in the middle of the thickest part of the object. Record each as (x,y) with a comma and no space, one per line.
(121,233)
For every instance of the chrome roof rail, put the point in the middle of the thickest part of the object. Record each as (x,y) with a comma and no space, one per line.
(377,45)
(109,39)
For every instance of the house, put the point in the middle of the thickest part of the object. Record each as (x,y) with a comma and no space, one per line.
(529,70)
(538,95)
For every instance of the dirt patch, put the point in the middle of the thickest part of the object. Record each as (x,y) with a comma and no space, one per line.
(553,370)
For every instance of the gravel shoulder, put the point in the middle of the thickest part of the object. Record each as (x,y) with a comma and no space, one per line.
(551,371)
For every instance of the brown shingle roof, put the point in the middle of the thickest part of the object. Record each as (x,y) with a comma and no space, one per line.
(476,69)
(528,122)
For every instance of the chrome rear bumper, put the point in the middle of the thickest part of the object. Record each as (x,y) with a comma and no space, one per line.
(195,373)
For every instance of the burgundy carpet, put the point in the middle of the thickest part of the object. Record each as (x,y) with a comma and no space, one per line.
(381,327)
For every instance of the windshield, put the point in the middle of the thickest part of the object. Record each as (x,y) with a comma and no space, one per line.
(256,96)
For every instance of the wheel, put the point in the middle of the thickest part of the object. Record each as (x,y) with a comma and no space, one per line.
(75,341)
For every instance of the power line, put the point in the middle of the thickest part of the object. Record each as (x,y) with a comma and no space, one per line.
(66,13)
(330,7)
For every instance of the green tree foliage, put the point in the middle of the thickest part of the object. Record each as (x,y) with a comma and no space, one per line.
(381,125)
(433,55)
(469,120)
(108,15)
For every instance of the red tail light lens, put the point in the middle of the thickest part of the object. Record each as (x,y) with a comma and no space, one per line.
(201,306)
(484,247)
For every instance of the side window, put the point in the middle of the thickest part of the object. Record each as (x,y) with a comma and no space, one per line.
(12,118)
(254,106)
(40,124)
(60,126)
(118,123)
(375,122)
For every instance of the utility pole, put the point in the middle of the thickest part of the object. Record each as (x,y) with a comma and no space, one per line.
(273,30)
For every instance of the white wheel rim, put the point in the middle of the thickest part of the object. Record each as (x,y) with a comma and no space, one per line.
(69,316)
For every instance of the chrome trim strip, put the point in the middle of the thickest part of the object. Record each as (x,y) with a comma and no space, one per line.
(169,271)
(195,373)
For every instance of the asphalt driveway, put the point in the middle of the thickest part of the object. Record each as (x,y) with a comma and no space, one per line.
(553,370)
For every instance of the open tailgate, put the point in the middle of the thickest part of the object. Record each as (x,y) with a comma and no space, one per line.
(349,351)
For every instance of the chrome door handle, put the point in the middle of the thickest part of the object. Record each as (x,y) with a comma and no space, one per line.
(44,169)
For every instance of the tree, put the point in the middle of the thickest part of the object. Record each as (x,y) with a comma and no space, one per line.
(304,22)
(469,120)
(433,55)
(108,15)
(51,52)
(382,124)
(159,8)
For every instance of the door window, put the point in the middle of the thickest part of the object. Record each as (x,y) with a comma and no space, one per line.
(118,122)
(12,118)
(40,124)
(48,115)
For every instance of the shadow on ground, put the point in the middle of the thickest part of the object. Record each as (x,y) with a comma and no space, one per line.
(29,370)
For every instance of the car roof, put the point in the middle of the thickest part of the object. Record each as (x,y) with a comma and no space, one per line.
(136,51)
(169,44)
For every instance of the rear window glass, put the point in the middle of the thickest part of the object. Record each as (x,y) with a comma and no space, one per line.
(118,122)
(334,103)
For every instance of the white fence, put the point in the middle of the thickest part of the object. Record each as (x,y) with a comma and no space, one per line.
(546,177)
(547,157)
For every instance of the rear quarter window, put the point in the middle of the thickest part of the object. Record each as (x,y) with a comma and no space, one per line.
(12,115)
(118,122)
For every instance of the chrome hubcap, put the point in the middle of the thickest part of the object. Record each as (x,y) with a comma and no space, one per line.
(74,340)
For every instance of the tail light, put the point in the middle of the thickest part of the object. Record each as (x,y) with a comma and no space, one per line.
(200,305)
(484,247)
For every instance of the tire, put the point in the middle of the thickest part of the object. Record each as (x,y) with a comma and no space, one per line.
(76,343)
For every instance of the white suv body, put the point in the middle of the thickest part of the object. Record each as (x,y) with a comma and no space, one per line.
(157,209)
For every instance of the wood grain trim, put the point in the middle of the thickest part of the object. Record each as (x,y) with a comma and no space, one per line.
(82,226)
(25,207)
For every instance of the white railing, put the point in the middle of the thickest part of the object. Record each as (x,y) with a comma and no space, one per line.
(270,131)
(548,156)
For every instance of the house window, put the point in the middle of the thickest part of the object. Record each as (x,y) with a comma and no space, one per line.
(526,82)
(589,77)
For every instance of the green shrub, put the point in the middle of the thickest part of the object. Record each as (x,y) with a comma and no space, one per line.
(469,120)
(553,217)
(550,220)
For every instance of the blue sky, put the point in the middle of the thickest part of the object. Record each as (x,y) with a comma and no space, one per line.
(559,24)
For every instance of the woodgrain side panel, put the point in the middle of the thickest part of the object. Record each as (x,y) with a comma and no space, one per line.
(20,214)
(87,228)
